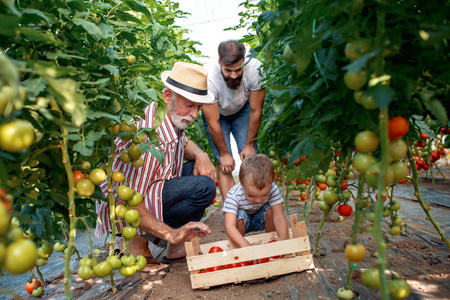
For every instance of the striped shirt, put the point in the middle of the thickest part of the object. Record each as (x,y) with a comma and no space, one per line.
(236,200)
(148,179)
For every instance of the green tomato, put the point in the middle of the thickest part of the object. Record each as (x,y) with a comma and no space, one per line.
(141,262)
(60,247)
(4,220)
(371,216)
(345,294)
(20,256)
(129,232)
(367,141)
(386,212)
(394,230)
(137,163)
(400,170)
(127,271)
(398,289)
(128,260)
(372,175)
(16,135)
(48,249)
(124,157)
(321,178)
(97,251)
(118,177)
(102,269)
(131,216)
(124,192)
(41,262)
(85,187)
(121,210)
(38,292)
(371,278)
(85,272)
(15,234)
(97,176)
(395,205)
(332,180)
(135,151)
(114,262)
(135,200)
(397,149)
(137,223)
(323,206)
(398,220)
(330,197)
(85,261)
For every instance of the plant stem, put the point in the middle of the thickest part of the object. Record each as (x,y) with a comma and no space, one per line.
(319,232)
(112,213)
(425,207)
(41,277)
(440,171)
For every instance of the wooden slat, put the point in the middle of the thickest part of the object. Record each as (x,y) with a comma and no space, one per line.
(294,228)
(301,228)
(267,270)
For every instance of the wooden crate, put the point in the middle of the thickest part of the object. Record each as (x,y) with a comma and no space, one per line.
(296,251)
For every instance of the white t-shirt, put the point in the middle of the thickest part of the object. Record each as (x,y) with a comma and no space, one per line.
(231,101)
(236,200)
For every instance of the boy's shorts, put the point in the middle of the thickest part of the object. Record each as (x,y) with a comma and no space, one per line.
(254,222)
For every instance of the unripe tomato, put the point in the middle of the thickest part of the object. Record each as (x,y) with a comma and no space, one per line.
(41,262)
(124,157)
(141,262)
(16,135)
(85,272)
(131,216)
(85,187)
(372,175)
(323,206)
(137,163)
(127,126)
(398,220)
(395,205)
(97,176)
(321,178)
(355,252)
(400,171)
(102,269)
(394,230)
(97,251)
(371,278)
(330,197)
(60,247)
(121,210)
(124,192)
(354,49)
(4,219)
(355,80)
(38,292)
(118,177)
(85,261)
(131,59)
(397,149)
(398,289)
(129,232)
(114,262)
(127,271)
(135,151)
(86,165)
(137,223)
(128,260)
(20,256)
(367,141)
(367,102)
(135,200)
(345,294)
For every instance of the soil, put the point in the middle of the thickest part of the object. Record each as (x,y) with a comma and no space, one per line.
(418,255)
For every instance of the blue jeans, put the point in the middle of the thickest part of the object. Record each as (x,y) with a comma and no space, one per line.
(185,199)
(237,124)
(256,221)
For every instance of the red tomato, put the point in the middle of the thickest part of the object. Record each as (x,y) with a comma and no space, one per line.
(264,260)
(345,210)
(302,158)
(218,268)
(402,181)
(303,197)
(322,186)
(385,196)
(236,265)
(443,130)
(423,136)
(343,188)
(215,249)
(397,127)
(78,175)
(426,167)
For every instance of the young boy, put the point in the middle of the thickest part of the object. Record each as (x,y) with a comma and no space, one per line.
(254,203)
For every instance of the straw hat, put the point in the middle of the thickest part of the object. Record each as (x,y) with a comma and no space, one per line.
(188,80)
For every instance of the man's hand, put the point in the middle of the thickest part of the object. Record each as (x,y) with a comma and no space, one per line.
(189,231)
(204,166)
(227,163)
(247,151)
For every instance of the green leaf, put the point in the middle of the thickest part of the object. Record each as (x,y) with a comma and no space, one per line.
(72,137)
(437,109)
(158,154)
(9,26)
(112,69)
(82,148)
(37,36)
(140,7)
(382,95)
(91,28)
(33,15)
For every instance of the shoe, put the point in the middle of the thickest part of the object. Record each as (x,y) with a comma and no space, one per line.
(166,260)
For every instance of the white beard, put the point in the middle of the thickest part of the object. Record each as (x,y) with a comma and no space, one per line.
(177,120)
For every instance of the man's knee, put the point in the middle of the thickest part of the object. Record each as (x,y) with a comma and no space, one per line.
(207,188)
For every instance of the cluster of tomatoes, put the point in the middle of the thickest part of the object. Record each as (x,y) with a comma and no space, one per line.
(85,183)
(127,265)
(18,252)
(427,151)
(134,153)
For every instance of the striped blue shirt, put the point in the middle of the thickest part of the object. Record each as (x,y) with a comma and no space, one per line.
(148,179)
(236,200)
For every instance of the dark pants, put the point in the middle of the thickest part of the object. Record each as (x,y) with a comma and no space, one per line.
(185,199)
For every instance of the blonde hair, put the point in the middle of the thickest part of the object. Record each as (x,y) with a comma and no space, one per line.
(257,170)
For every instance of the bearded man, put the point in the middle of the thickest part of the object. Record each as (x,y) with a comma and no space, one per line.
(176,192)
(237,108)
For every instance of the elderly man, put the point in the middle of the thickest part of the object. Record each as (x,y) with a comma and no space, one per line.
(175,193)
(237,108)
